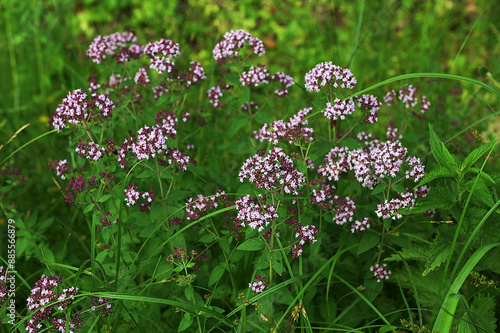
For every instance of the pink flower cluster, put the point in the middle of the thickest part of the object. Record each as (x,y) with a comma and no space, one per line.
(253,211)
(380,272)
(176,157)
(285,81)
(339,109)
(273,171)
(376,161)
(408,96)
(104,46)
(41,294)
(141,77)
(75,108)
(259,286)
(326,73)
(371,104)
(344,210)
(256,76)
(215,93)
(132,196)
(75,323)
(150,140)
(199,205)
(360,225)
(193,75)
(160,54)
(61,167)
(4,275)
(293,130)
(307,233)
(235,40)
(91,151)
(390,208)
(101,305)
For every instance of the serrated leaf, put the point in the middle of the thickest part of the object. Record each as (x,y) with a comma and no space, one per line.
(440,152)
(481,191)
(252,244)
(483,174)
(439,172)
(438,255)
(415,252)
(438,198)
(483,308)
(476,155)
(379,188)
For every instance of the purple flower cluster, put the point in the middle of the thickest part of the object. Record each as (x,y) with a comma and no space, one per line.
(235,40)
(360,225)
(160,54)
(215,93)
(150,141)
(256,76)
(273,171)
(344,210)
(75,323)
(104,46)
(253,211)
(91,151)
(41,294)
(307,233)
(132,196)
(4,275)
(408,96)
(101,305)
(293,130)
(66,297)
(390,208)
(371,104)
(60,167)
(199,205)
(193,75)
(141,77)
(259,286)
(339,109)
(175,156)
(376,161)
(285,81)
(106,221)
(75,108)
(323,197)
(326,73)
(380,272)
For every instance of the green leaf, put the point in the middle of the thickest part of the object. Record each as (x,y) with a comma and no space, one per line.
(481,191)
(483,308)
(438,198)
(475,155)
(208,238)
(351,143)
(104,198)
(440,152)
(483,174)
(399,188)
(252,244)
(369,240)
(246,94)
(188,292)
(438,255)
(88,208)
(237,123)
(186,321)
(379,188)
(387,328)
(439,172)
(216,274)
(262,118)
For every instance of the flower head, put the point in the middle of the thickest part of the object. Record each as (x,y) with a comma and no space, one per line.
(326,73)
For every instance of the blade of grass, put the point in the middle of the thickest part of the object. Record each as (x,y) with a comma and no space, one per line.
(446,313)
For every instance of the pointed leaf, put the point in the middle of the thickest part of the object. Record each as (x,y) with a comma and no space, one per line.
(439,172)
(440,152)
(252,244)
(476,154)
